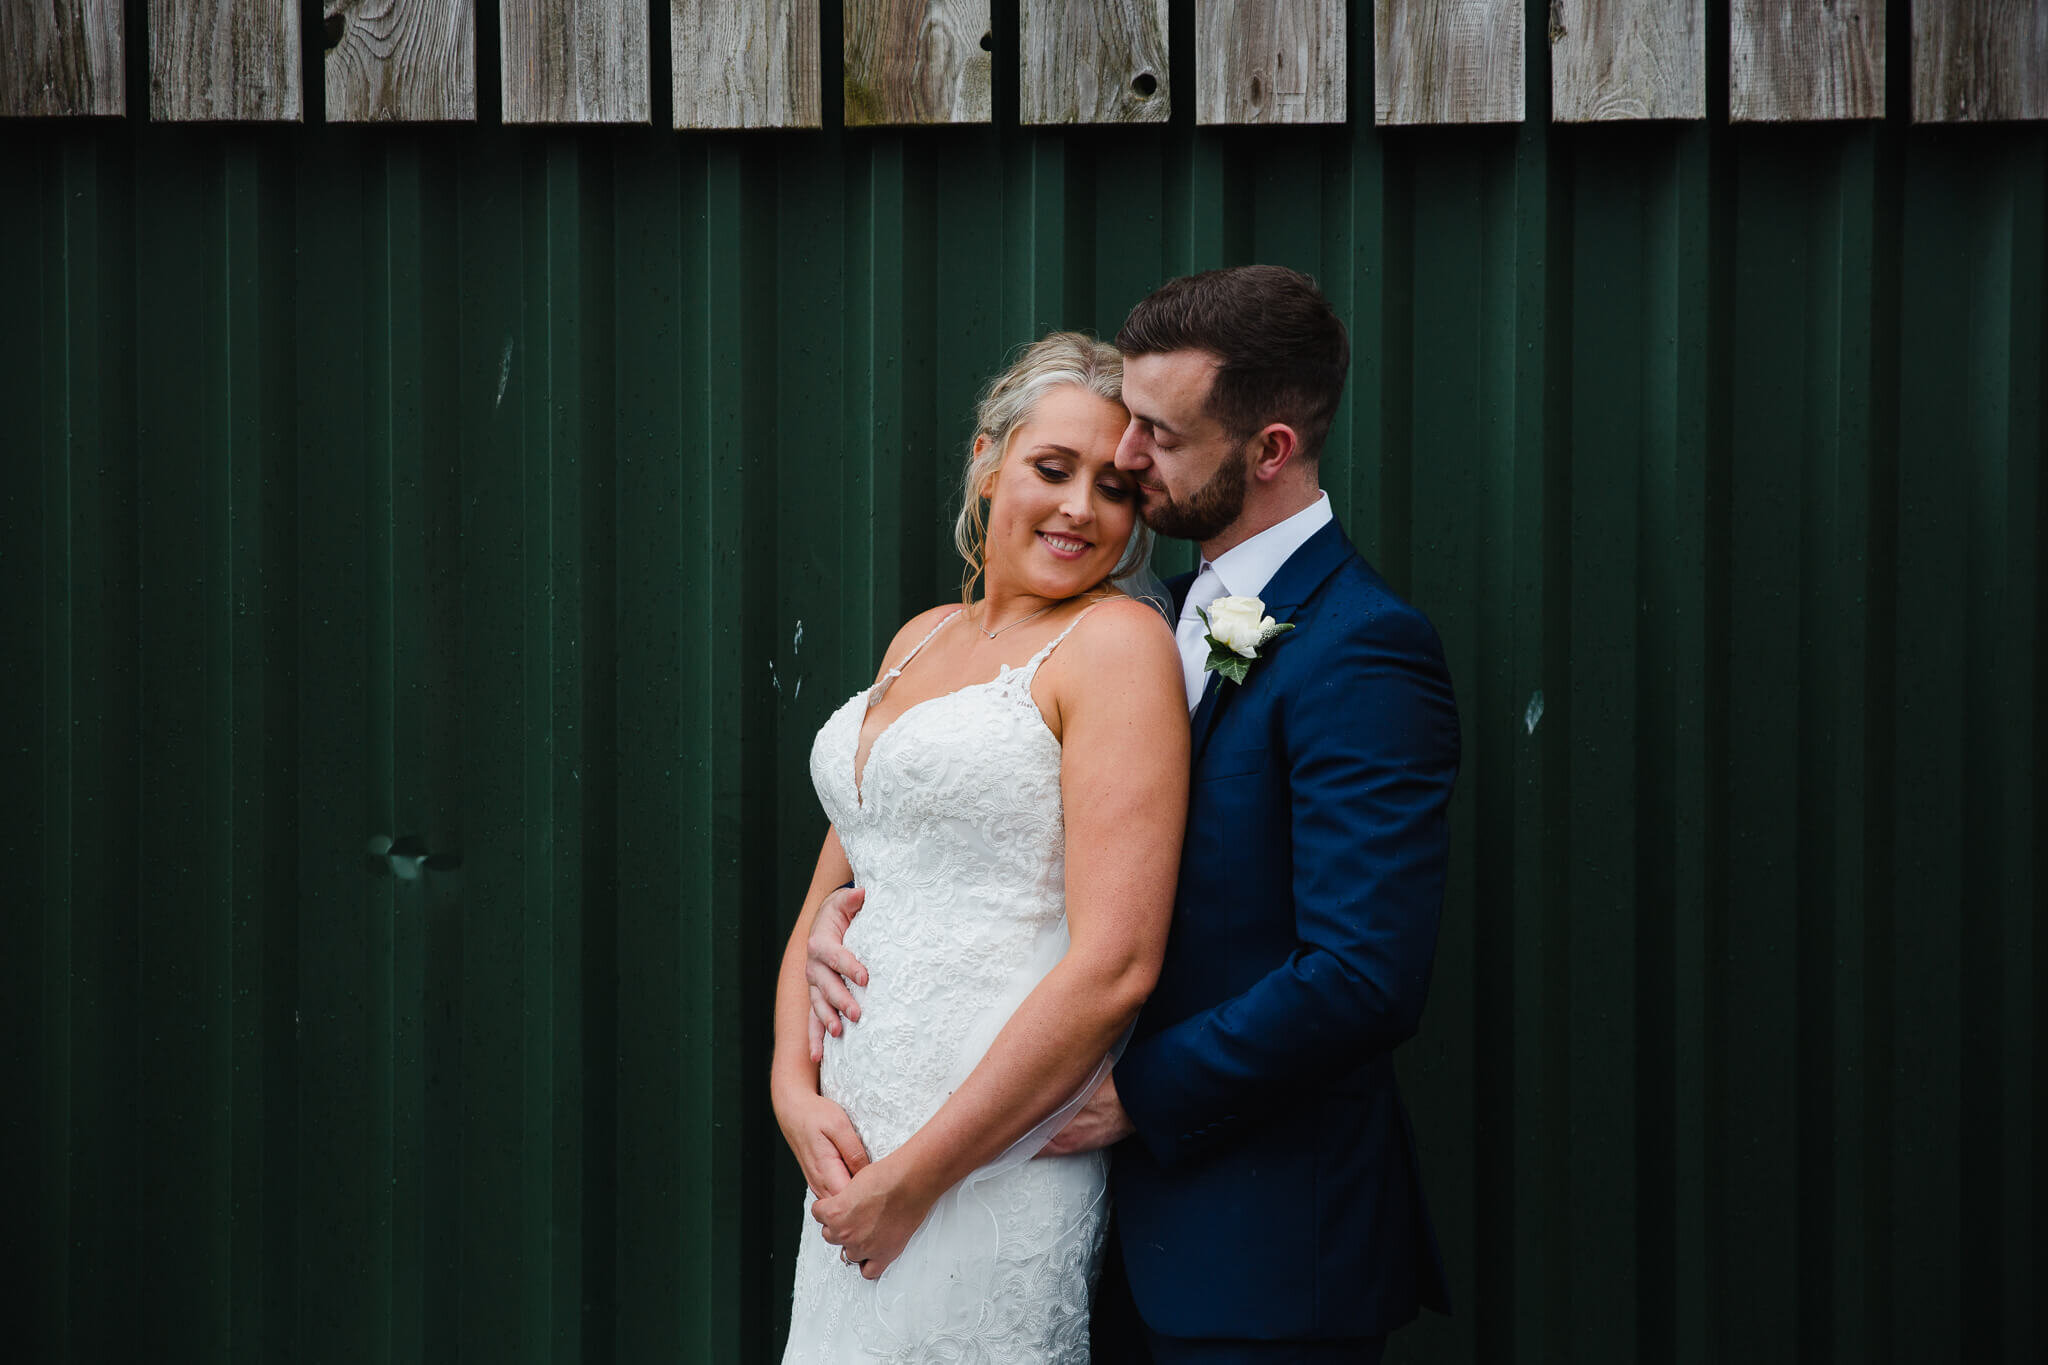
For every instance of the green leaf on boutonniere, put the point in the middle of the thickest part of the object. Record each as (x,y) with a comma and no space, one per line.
(1229,661)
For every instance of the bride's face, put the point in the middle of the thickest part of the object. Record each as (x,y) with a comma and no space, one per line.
(1060,511)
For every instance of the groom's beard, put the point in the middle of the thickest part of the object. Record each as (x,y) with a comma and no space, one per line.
(1214,506)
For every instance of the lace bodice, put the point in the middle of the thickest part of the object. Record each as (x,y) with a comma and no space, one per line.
(954,829)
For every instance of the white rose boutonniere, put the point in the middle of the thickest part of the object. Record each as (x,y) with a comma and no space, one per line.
(1238,626)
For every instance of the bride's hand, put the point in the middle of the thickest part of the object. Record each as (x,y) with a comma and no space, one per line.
(871,1220)
(824,1140)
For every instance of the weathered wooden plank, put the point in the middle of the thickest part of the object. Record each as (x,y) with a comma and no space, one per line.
(60,57)
(1793,61)
(1093,61)
(574,61)
(1979,61)
(918,61)
(404,61)
(1448,61)
(1269,61)
(752,65)
(224,60)
(1627,59)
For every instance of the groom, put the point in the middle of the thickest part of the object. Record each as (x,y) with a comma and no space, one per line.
(1268,1200)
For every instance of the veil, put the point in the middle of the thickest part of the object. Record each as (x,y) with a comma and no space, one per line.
(1134,576)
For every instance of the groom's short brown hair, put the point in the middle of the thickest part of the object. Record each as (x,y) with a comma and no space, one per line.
(1283,352)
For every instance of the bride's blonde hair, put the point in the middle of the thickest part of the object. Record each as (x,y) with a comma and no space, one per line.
(1058,359)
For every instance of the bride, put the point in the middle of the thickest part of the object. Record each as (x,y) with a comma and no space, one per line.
(1009,795)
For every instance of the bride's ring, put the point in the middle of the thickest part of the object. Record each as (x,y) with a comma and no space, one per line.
(845,1259)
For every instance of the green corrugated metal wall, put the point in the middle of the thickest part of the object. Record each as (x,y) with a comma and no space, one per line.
(535,495)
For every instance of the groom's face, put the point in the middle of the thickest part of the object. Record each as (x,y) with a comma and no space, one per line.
(1190,470)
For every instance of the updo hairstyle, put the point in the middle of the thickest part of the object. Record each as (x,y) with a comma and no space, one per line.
(1058,359)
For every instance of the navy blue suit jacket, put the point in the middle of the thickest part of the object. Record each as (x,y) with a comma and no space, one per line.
(1272,1189)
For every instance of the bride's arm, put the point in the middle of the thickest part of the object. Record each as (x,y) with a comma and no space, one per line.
(1124,786)
(817,1130)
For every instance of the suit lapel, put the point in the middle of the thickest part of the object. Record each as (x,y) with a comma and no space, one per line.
(1205,712)
(1292,585)
(1305,571)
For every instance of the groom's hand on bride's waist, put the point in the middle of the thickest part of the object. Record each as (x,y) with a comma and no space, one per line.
(828,967)
(1101,1122)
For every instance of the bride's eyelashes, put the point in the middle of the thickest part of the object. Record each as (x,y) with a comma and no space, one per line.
(1053,473)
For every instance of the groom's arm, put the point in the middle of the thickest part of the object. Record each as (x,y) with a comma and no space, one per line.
(1373,753)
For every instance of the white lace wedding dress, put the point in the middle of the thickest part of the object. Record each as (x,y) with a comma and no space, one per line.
(955,831)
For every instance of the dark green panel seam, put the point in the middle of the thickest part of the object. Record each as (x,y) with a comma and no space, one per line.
(1845,431)
(236,1170)
(736,271)
(62,257)
(592,777)
(707,678)
(1986,727)
(1818,744)
(380,901)
(547,336)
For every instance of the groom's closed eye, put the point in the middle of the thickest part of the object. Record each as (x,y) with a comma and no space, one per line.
(1163,436)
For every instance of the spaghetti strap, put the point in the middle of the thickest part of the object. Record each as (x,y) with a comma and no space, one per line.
(904,662)
(1031,668)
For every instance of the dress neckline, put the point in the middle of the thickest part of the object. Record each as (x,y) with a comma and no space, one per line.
(880,688)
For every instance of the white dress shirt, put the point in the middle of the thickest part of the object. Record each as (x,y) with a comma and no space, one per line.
(1241,571)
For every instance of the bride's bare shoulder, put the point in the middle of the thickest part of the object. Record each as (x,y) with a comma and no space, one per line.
(1125,623)
(1124,639)
(911,633)
(1119,678)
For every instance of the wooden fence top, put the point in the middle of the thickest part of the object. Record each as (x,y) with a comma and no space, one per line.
(907,62)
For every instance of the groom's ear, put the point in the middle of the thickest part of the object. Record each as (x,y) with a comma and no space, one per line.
(1273,448)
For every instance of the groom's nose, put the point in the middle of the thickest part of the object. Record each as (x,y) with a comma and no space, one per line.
(1130,451)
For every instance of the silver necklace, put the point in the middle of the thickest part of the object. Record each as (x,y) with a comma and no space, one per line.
(1018,622)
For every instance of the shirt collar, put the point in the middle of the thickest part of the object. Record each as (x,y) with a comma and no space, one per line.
(1246,569)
